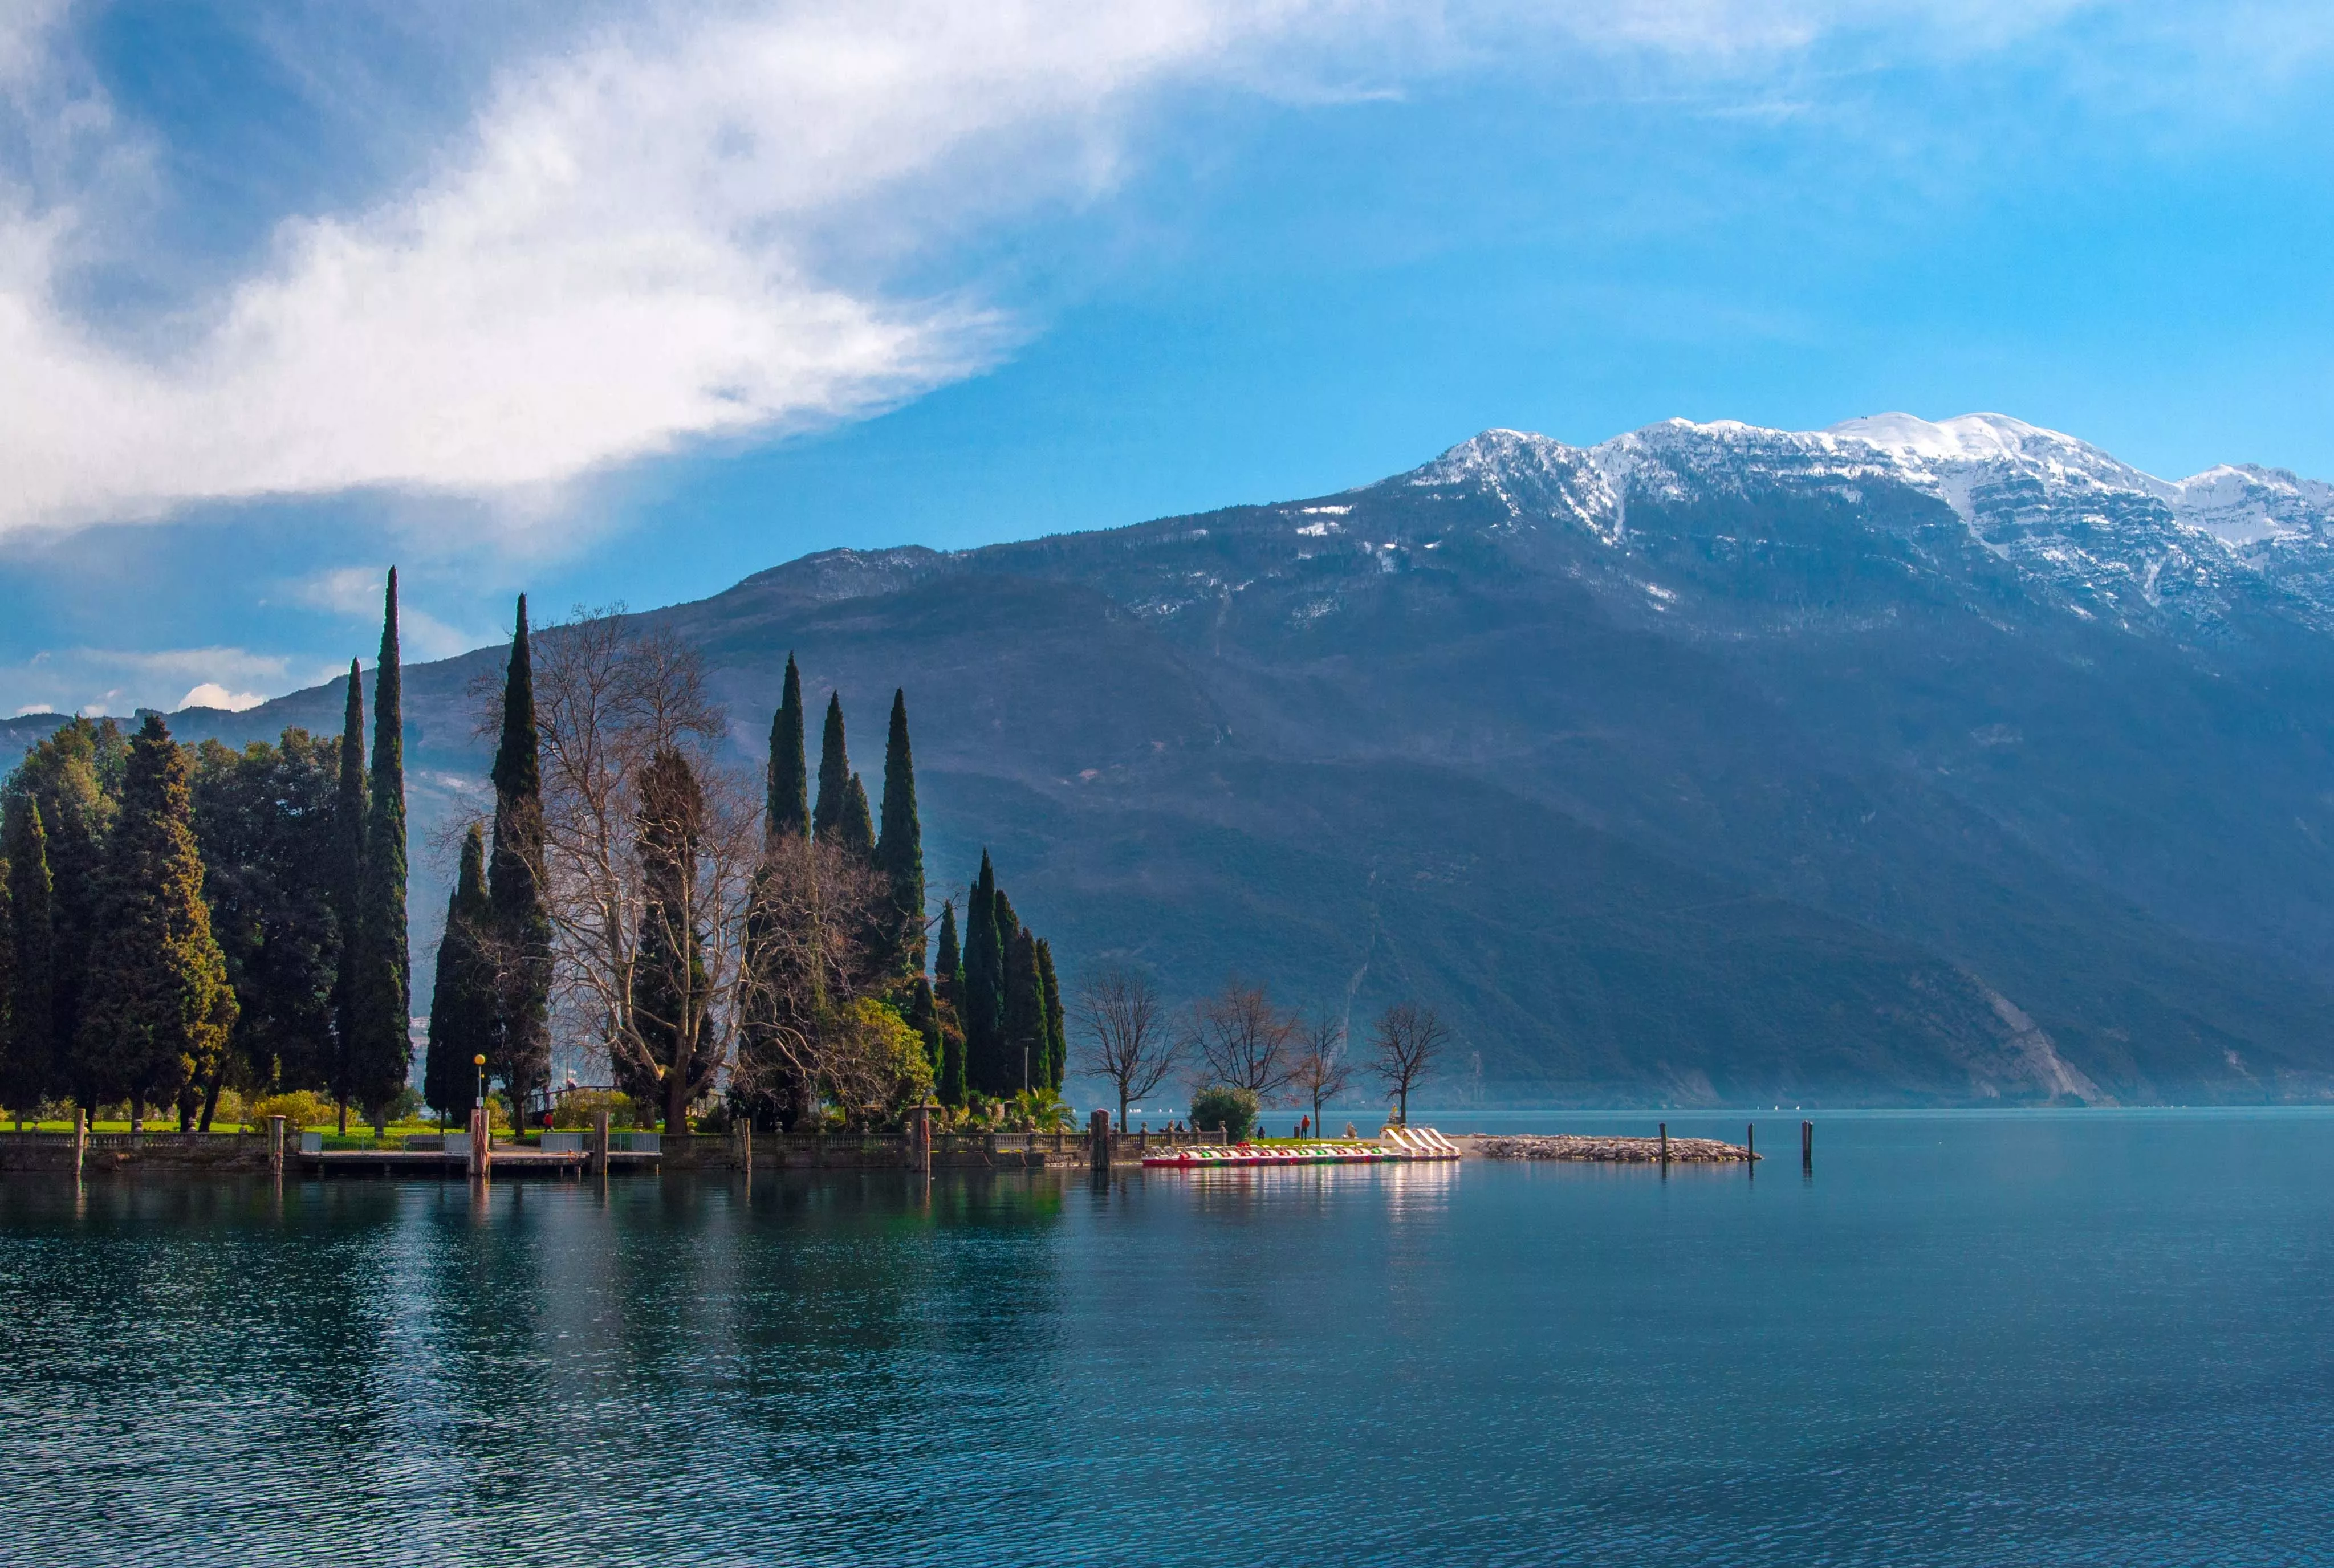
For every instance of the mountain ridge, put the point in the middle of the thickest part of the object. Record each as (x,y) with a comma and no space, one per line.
(1711,764)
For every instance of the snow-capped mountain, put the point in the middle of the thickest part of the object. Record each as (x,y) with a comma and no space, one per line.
(2111,541)
(1709,764)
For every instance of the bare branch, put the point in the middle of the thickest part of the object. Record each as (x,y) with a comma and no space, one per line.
(1124,1028)
(1321,1070)
(1408,1039)
(1241,1040)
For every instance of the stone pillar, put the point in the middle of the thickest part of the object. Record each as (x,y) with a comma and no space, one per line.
(600,1144)
(1098,1150)
(276,1145)
(81,1138)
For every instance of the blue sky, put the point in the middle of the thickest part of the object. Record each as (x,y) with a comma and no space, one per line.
(622,301)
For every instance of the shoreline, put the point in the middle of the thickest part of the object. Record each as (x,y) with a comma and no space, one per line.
(1595,1149)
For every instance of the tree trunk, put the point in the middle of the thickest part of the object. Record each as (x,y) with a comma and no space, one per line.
(344,1119)
(211,1093)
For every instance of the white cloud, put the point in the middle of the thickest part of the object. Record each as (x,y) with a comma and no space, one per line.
(211,694)
(235,664)
(631,249)
(695,226)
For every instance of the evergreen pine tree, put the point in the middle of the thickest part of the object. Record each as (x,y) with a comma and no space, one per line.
(347,895)
(159,1008)
(264,822)
(380,1039)
(984,987)
(787,811)
(28,1050)
(1057,1050)
(7,984)
(899,852)
(463,1005)
(834,772)
(76,778)
(521,926)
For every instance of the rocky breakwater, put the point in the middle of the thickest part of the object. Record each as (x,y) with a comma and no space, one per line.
(1604,1150)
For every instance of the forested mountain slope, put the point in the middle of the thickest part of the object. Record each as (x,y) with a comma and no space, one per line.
(1900,761)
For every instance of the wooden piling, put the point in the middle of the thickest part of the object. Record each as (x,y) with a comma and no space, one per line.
(919,1139)
(600,1144)
(741,1136)
(481,1155)
(81,1138)
(1808,1145)
(1750,1141)
(276,1145)
(1666,1143)
(1098,1141)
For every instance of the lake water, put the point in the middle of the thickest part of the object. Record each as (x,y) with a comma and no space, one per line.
(2094,1337)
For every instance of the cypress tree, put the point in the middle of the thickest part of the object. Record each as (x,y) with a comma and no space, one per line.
(1025,1040)
(463,1003)
(1057,1052)
(159,1006)
(670,989)
(984,987)
(855,831)
(948,987)
(786,812)
(347,894)
(952,1084)
(924,1018)
(834,772)
(28,1067)
(948,970)
(766,1089)
(381,1042)
(899,852)
(521,926)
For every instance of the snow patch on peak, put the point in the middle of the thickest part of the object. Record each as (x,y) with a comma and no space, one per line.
(1966,438)
(1532,476)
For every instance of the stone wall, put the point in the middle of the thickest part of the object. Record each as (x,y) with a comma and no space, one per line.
(204,1151)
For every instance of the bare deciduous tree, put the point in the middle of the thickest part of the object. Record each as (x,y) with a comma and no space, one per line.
(1321,1070)
(1407,1038)
(803,975)
(1125,1033)
(1241,1040)
(619,865)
